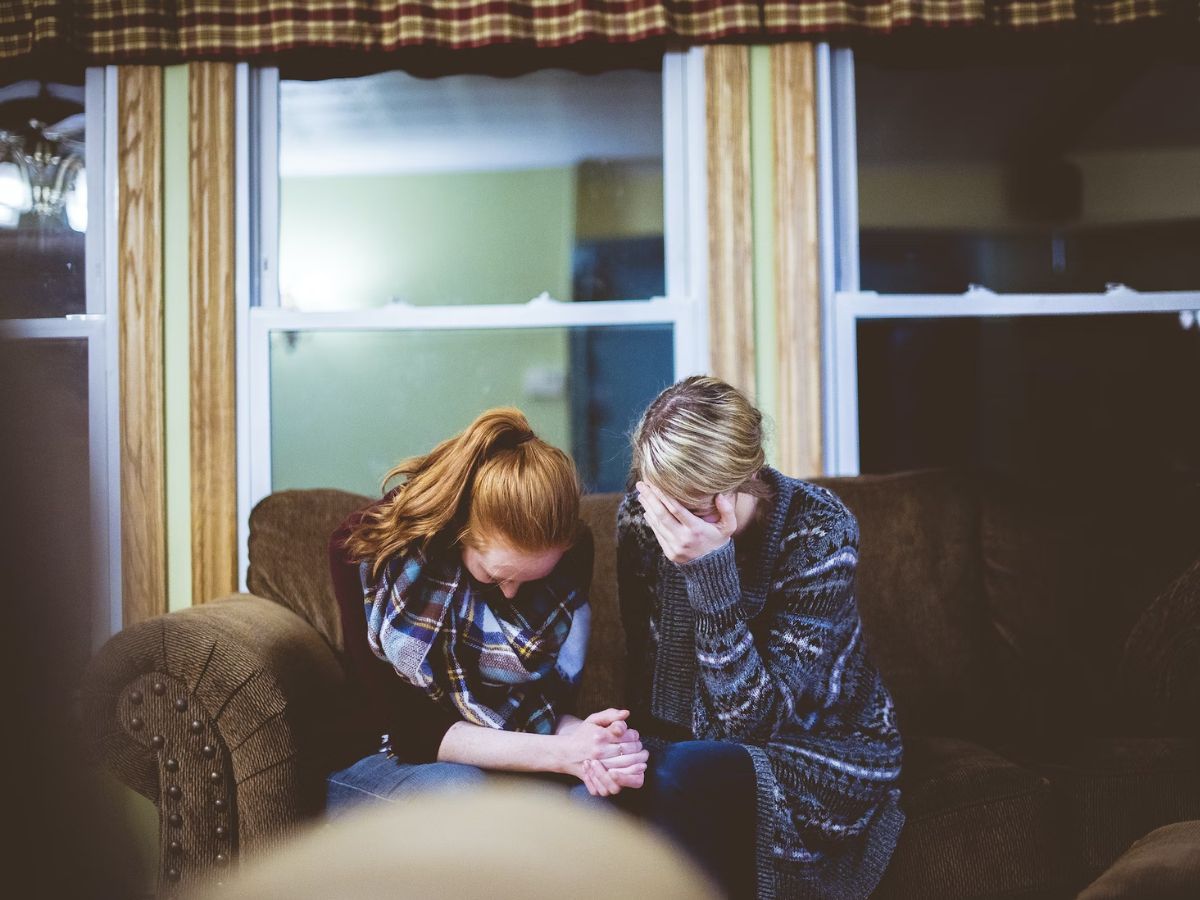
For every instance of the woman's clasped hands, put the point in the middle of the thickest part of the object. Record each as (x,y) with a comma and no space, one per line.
(602,751)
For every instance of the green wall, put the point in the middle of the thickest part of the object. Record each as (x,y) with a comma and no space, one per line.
(346,406)
(619,199)
(176,351)
(350,242)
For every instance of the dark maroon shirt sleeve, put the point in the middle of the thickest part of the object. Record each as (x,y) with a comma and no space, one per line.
(415,723)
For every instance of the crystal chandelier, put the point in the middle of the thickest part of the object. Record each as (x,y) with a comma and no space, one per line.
(42,180)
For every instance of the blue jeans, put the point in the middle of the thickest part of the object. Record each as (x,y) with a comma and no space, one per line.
(702,794)
(381,778)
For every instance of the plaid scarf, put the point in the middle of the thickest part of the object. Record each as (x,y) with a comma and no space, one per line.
(512,665)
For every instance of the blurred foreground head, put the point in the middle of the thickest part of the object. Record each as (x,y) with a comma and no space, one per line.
(504,841)
(55,802)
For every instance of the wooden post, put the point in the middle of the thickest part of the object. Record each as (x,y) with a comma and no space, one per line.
(213,323)
(797,294)
(730,221)
(140,325)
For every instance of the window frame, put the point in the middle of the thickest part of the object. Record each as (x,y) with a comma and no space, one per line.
(98,327)
(259,314)
(844,303)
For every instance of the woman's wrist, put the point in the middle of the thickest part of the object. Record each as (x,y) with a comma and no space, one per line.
(566,723)
(559,756)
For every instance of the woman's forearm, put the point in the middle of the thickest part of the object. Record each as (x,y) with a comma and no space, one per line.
(507,751)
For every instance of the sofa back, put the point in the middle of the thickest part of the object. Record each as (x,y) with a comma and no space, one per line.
(603,683)
(984,606)
(289,553)
(920,596)
(1072,565)
(918,583)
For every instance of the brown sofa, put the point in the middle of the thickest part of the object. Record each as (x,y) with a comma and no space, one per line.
(1043,649)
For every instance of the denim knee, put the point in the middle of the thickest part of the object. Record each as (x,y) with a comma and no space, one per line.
(440,775)
(381,777)
(688,766)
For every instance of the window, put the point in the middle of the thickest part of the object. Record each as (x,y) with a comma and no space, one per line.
(58,330)
(1014,279)
(429,248)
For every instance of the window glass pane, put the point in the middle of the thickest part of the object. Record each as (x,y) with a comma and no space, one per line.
(44,398)
(1028,175)
(43,200)
(347,406)
(470,189)
(1099,399)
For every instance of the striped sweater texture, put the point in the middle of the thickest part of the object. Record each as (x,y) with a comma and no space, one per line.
(767,651)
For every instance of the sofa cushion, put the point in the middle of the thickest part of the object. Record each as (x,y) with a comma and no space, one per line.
(920,597)
(978,825)
(1069,568)
(1164,865)
(1114,790)
(1160,671)
(289,553)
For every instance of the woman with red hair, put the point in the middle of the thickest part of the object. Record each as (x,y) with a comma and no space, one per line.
(463,600)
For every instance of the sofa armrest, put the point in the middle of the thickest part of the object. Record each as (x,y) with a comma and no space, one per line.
(1160,669)
(223,715)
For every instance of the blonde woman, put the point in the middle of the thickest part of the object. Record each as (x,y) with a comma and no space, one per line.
(774,749)
(463,601)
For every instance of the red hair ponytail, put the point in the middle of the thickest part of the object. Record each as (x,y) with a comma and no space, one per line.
(496,481)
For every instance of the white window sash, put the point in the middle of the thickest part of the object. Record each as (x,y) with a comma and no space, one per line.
(105,358)
(260,314)
(843,304)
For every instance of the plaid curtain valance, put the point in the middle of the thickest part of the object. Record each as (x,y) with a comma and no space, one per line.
(885,16)
(110,31)
(126,30)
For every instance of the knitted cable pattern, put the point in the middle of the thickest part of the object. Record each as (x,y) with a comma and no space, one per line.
(768,652)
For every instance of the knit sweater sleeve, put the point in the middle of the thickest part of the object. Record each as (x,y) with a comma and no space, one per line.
(792,669)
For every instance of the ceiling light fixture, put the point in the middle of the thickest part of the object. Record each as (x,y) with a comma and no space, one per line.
(43,183)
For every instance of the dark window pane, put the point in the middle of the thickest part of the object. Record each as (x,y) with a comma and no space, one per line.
(1092,399)
(43,200)
(347,406)
(618,268)
(45,399)
(1028,175)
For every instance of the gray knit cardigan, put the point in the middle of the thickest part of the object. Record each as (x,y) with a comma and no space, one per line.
(768,652)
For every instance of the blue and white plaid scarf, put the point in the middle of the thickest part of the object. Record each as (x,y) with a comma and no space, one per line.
(504,664)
